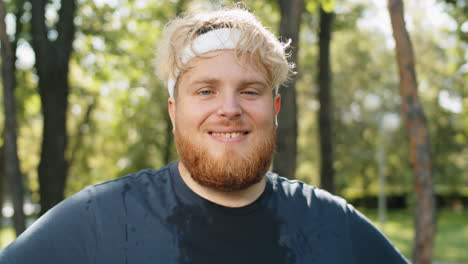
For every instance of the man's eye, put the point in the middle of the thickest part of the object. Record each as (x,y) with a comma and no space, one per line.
(205,92)
(250,93)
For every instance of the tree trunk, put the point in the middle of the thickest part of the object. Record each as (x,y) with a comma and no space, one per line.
(285,159)
(52,65)
(326,103)
(11,160)
(416,123)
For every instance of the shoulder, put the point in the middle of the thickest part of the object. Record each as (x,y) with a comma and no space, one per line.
(334,215)
(141,176)
(305,195)
(70,232)
(135,181)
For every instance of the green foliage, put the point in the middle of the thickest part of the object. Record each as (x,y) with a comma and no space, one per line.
(7,234)
(313,5)
(328,5)
(440,69)
(458,10)
(363,65)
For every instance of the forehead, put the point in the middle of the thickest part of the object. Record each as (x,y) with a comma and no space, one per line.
(224,65)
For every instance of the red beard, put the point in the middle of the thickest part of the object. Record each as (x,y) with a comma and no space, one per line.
(232,172)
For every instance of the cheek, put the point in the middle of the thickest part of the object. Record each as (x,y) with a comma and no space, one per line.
(191,116)
(263,116)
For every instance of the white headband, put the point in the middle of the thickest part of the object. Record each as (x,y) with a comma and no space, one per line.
(218,39)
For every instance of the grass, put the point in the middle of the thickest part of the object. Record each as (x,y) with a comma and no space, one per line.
(451,242)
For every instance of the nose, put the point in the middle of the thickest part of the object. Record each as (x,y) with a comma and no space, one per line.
(230,106)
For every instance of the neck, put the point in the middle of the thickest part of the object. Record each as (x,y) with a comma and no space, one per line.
(228,199)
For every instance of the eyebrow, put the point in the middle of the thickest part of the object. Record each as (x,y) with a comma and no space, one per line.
(242,83)
(205,81)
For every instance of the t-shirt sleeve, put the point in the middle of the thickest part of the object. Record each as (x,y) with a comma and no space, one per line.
(369,244)
(65,234)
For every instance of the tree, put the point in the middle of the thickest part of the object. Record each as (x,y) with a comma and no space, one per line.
(325,100)
(10,159)
(285,160)
(416,123)
(52,65)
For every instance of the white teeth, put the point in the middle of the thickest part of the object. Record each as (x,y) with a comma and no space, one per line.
(227,135)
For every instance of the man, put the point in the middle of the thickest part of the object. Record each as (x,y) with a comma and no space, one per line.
(218,204)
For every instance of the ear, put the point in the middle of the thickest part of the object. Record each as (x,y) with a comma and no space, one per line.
(277,108)
(171,108)
(277,104)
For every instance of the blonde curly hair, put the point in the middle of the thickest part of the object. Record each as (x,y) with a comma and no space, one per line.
(265,51)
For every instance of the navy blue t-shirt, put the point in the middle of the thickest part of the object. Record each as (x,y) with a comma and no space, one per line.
(153,217)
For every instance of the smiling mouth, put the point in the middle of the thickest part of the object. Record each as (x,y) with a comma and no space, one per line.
(228,134)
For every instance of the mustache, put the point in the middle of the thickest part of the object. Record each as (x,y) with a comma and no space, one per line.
(229,123)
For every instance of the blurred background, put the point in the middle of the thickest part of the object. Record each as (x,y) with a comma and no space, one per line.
(82,105)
